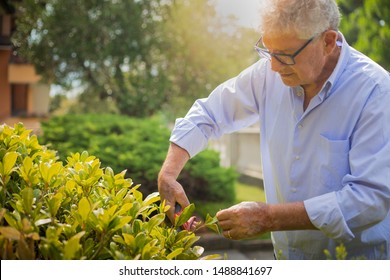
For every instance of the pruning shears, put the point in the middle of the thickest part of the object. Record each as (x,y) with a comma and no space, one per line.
(190,224)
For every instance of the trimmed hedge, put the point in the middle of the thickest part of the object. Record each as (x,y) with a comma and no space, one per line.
(54,211)
(138,146)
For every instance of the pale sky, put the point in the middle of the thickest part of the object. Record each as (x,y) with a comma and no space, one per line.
(245,10)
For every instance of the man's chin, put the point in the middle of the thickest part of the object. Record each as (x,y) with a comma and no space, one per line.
(289,80)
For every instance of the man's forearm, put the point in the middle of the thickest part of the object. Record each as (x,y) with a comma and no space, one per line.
(289,216)
(176,158)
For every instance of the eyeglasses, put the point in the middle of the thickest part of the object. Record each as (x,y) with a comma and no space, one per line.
(286,59)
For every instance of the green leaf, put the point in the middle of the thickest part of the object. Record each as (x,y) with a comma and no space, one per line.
(129,240)
(122,221)
(12,220)
(185,215)
(118,239)
(175,253)
(53,171)
(137,225)
(121,194)
(72,246)
(84,208)
(27,197)
(149,250)
(137,195)
(125,208)
(28,172)
(9,161)
(140,240)
(154,221)
(55,204)
(212,223)
(152,198)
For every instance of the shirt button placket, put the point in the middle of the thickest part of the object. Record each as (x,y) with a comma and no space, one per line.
(295,166)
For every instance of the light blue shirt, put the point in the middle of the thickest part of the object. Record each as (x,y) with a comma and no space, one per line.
(334,156)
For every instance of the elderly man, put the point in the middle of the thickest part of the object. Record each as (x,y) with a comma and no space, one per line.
(325,137)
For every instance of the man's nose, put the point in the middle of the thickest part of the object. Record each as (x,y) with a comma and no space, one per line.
(276,65)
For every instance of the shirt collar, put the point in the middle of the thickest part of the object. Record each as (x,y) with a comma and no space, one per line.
(326,90)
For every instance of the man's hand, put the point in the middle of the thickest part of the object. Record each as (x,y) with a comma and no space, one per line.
(245,220)
(170,190)
(250,219)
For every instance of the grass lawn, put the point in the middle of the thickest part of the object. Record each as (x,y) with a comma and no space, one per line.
(244,192)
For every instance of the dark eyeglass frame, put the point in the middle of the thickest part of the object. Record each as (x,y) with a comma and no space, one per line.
(281,57)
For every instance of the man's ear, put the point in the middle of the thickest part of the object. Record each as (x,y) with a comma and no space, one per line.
(330,39)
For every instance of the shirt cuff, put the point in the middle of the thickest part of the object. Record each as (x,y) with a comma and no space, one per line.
(189,137)
(326,215)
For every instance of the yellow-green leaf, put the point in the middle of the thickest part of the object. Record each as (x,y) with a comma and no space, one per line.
(55,204)
(54,170)
(175,253)
(129,240)
(152,198)
(84,208)
(125,208)
(154,221)
(9,161)
(27,196)
(185,215)
(123,221)
(72,246)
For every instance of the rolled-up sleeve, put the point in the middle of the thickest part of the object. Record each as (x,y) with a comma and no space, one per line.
(188,136)
(333,224)
(230,107)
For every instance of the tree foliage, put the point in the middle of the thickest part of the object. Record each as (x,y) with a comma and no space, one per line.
(135,54)
(109,48)
(204,50)
(366,26)
(138,57)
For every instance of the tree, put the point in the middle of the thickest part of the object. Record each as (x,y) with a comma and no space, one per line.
(135,57)
(108,47)
(366,25)
(203,50)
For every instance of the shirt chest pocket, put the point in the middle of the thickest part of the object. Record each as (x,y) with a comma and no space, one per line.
(334,162)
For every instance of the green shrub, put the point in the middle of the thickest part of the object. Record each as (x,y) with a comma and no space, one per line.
(205,180)
(138,146)
(78,210)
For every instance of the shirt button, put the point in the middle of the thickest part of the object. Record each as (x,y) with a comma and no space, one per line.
(297,157)
(293,190)
(300,126)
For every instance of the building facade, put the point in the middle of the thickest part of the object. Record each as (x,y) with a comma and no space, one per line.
(22,93)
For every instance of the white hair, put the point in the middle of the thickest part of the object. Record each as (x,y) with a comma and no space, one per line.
(305,18)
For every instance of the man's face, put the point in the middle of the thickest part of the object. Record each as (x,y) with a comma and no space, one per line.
(309,62)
